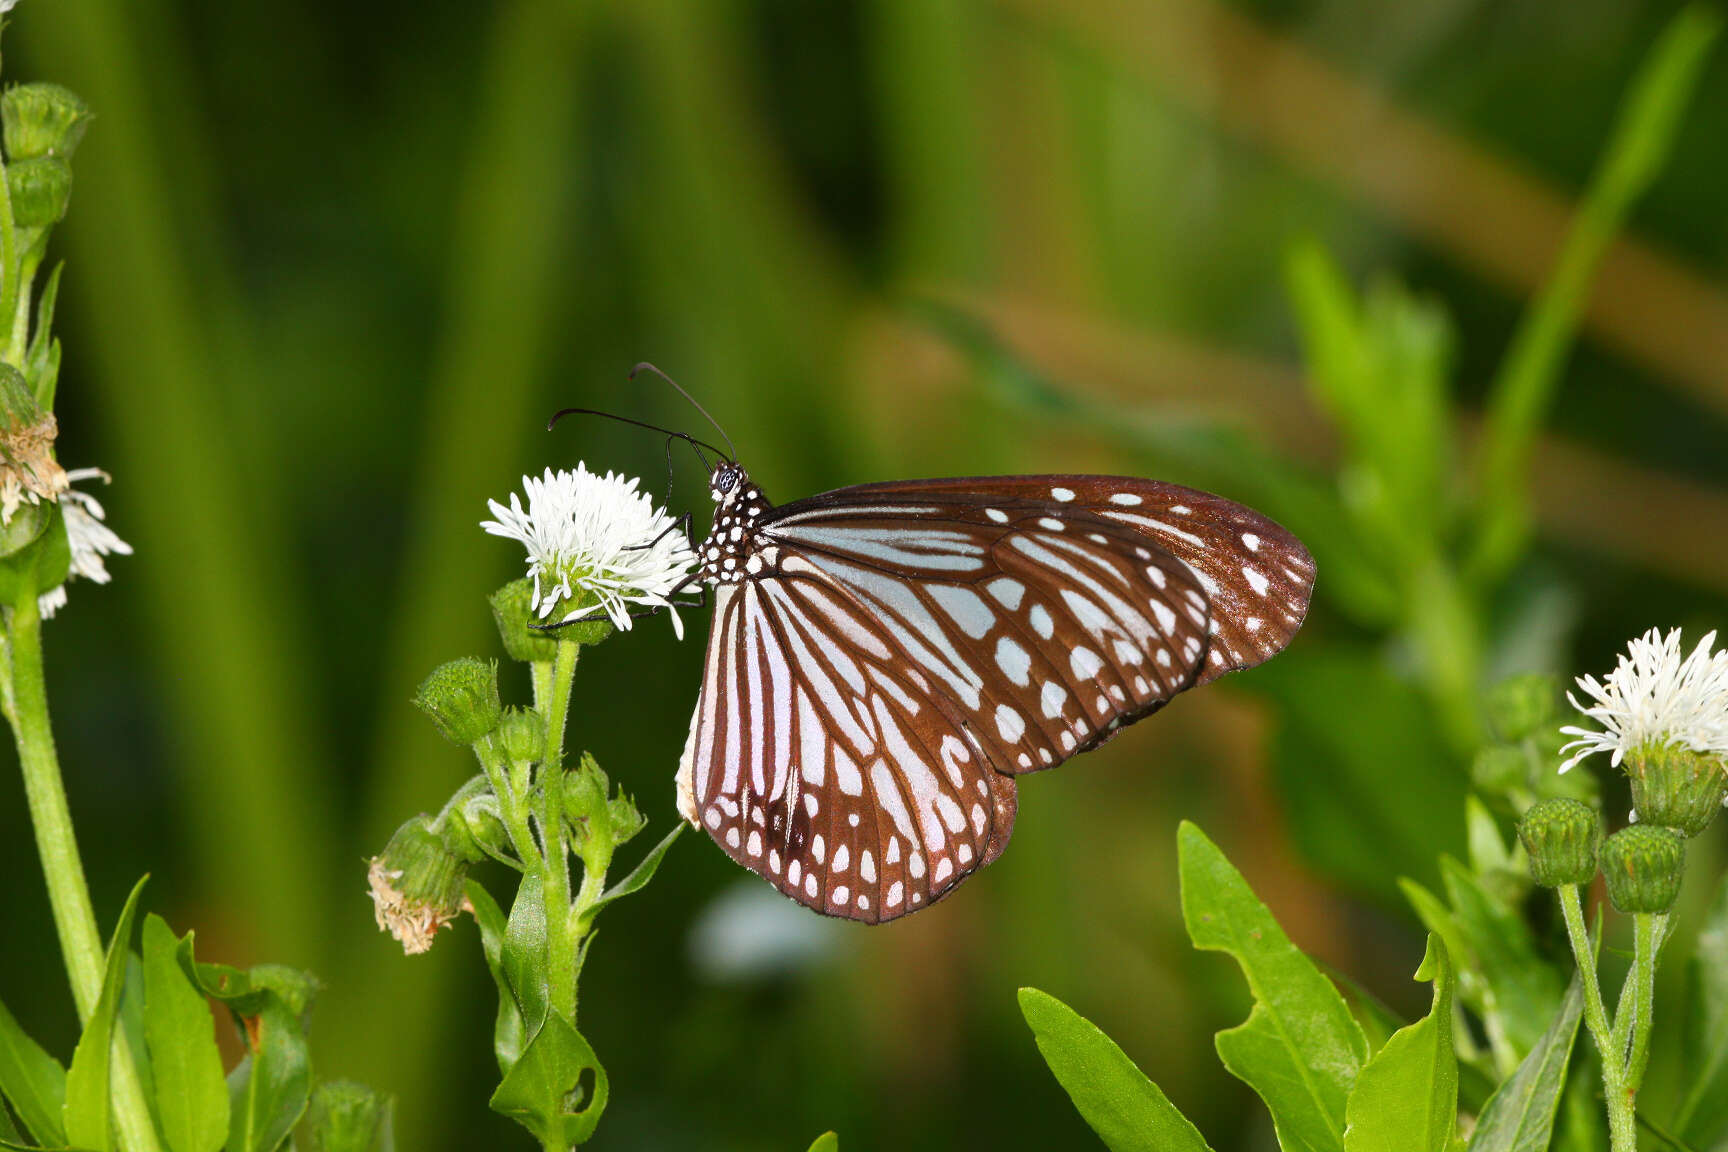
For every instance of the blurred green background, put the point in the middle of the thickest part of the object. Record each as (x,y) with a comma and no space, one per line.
(330,266)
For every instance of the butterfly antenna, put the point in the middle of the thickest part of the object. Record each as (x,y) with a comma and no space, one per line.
(698,445)
(645,366)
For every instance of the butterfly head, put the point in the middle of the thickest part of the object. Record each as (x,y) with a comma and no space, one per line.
(730,548)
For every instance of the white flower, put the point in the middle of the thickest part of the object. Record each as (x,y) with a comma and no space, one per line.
(1655,698)
(595,534)
(88,537)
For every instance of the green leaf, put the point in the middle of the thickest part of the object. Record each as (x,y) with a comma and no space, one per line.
(1299,1049)
(643,872)
(191,1092)
(268,1090)
(42,564)
(1128,1111)
(509,1036)
(131,1024)
(1520,1116)
(1406,1097)
(87,1122)
(558,1072)
(1703,1116)
(827,1142)
(32,1082)
(524,957)
(229,986)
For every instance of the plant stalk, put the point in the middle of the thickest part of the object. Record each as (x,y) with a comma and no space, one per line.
(68,894)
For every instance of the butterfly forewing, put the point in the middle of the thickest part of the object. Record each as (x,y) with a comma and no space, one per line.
(1257,577)
(885,658)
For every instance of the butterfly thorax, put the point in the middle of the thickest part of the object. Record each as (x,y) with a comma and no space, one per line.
(732,553)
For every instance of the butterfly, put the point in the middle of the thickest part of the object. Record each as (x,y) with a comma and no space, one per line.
(885,660)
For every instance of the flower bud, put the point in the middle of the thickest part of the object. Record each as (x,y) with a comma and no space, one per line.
(417,883)
(345,1116)
(625,820)
(512,608)
(461,697)
(1500,769)
(42,120)
(584,792)
(1561,838)
(41,188)
(1522,705)
(1642,865)
(1675,787)
(523,734)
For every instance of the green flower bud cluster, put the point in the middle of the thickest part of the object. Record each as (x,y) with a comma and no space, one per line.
(1517,766)
(1642,864)
(593,811)
(43,124)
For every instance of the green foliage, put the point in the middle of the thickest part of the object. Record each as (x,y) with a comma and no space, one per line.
(191,1098)
(1406,1096)
(1299,1049)
(87,1080)
(1503,976)
(827,1142)
(32,1082)
(1128,1111)
(1519,1117)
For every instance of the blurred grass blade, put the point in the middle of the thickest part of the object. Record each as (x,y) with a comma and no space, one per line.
(827,1142)
(87,1081)
(1524,388)
(1406,1097)
(1703,1115)
(1127,1110)
(190,1091)
(1299,1049)
(32,1082)
(1519,1117)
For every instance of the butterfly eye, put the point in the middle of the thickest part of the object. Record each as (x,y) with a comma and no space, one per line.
(725,480)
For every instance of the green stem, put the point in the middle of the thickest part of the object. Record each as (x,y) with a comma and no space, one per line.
(1622,1131)
(1648,935)
(558,707)
(561,941)
(69,896)
(1595,1014)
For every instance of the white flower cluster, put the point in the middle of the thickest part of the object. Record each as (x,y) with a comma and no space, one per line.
(598,534)
(1654,697)
(87,536)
